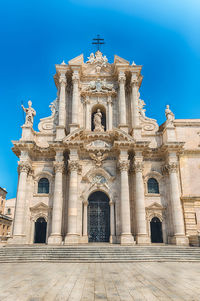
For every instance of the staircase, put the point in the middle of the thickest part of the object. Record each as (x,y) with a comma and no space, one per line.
(105,253)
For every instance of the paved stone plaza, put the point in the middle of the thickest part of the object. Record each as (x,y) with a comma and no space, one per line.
(100,281)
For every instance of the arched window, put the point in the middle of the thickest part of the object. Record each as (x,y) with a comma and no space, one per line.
(43,185)
(152,186)
(9,211)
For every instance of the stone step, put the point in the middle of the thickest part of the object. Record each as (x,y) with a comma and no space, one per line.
(98,253)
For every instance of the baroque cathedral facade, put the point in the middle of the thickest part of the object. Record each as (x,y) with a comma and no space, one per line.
(99,170)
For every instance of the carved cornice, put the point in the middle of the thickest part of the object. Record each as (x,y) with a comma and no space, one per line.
(59,167)
(124,165)
(170,168)
(24,167)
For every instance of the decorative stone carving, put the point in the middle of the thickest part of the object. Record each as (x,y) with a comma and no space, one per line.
(59,167)
(99,86)
(98,144)
(97,59)
(99,157)
(98,179)
(49,124)
(24,167)
(98,127)
(169,116)
(149,125)
(170,168)
(62,80)
(30,113)
(73,165)
(124,165)
(138,166)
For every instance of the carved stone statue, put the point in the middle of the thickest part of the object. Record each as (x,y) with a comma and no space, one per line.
(30,113)
(169,116)
(97,121)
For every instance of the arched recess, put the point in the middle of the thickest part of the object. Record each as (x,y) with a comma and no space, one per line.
(156,230)
(98,217)
(103,119)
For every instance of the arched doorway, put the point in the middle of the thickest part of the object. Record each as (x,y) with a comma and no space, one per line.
(40,230)
(98,217)
(156,230)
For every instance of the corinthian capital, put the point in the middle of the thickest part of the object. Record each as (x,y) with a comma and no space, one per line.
(74,165)
(62,80)
(121,78)
(138,166)
(59,167)
(170,168)
(75,77)
(124,165)
(24,167)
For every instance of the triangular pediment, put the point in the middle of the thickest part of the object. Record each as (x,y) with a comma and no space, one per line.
(120,60)
(40,206)
(77,60)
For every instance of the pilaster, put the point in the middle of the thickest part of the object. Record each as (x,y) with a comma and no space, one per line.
(122,102)
(60,129)
(75,100)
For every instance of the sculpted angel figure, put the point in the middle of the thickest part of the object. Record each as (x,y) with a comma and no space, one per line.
(30,113)
(91,58)
(169,115)
(97,121)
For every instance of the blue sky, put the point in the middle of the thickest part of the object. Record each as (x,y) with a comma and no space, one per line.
(163,36)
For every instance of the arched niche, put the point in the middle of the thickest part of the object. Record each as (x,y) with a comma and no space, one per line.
(103,112)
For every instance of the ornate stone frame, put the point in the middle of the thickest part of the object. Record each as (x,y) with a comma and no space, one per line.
(156,175)
(156,210)
(37,211)
(37,177)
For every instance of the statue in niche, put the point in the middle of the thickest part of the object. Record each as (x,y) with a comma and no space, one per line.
(30,113)
(169,116)
(98,127)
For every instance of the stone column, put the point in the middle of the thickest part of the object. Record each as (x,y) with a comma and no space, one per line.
(122,101)
(134,102)
(110,113)
(18,228)
(87,113)
(85,203)
(75,101)
(56,237)
(126,236)
(60,129)
(72,234)
(179,237)
(112,222)
(140,213)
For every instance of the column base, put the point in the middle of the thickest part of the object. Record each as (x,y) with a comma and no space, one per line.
(113,239)
(127,239)
(123,127)
(179,240)
(60,133)
(17,240)
(84,239)
(72,239)
(73,127)
(55,240)
(142,239)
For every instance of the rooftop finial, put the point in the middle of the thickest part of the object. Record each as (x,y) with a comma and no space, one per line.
(98,41)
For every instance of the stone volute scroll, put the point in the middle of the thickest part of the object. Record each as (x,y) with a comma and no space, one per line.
(30,113)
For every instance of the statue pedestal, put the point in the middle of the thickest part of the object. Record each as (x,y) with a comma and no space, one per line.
(169,134)
(73,127)
(27,133)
